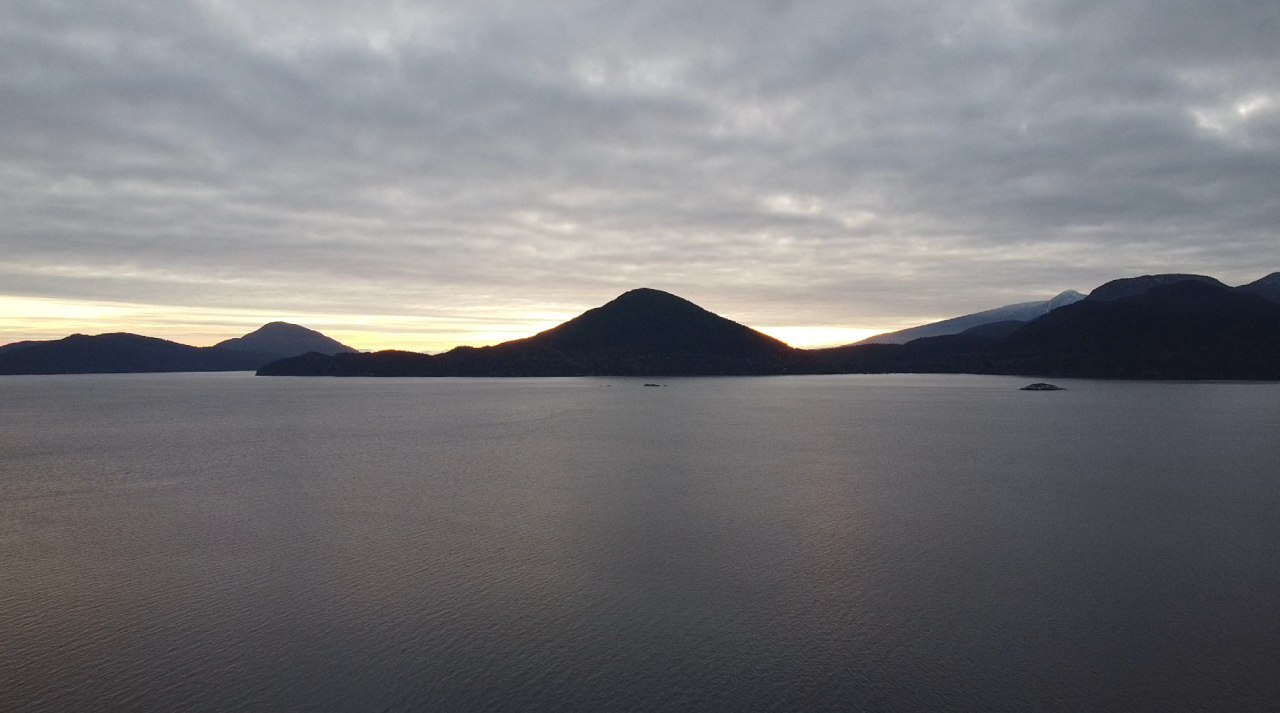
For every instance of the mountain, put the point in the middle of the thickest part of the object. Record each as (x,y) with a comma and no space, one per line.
(17,345)
(283,340)
(1179,329)
(1267,288)
(968,352)
(1189,329)
(647,321)
(641,332)
(132,353)
(1149,327)
(1152,328)
(1134,286)
(1021,312)
(121,353)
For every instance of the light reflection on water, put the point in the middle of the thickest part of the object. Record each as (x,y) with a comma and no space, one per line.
(230,543)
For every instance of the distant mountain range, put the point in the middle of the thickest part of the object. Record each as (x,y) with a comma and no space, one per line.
(1175,330)
(1149,327)
(1180,329)
(1021,312)
(642,332)
(133,353)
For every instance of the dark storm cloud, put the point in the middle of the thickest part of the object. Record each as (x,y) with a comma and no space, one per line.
(846,163)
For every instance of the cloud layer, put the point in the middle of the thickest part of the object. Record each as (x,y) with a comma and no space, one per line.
(457,165)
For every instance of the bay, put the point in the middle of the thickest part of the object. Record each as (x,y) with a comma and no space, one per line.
(222,542)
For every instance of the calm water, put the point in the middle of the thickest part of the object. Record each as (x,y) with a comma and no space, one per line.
(231,543)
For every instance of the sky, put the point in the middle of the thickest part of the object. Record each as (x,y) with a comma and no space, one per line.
(421,175)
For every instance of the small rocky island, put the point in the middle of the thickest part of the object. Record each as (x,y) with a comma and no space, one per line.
(1041,386)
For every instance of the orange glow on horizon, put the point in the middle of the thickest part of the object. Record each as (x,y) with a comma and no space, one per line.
(812,337)
(38,318)
(35,318)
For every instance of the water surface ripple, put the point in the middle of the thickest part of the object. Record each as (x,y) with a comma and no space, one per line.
(229,543)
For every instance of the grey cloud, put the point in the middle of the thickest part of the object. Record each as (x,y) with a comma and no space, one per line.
(846,163)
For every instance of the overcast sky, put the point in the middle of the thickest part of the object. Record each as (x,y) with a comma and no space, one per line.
(419,175)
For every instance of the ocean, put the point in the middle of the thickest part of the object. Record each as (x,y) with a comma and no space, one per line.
(224,542)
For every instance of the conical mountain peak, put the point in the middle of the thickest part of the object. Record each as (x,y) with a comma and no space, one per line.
(286,339)
(1063,299)
(649,297)
(642,292)
(649,321)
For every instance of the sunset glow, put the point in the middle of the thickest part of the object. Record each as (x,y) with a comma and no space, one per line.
(419,176)
(29,318)
(819,336)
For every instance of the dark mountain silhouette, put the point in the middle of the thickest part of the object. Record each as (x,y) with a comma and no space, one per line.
(1021,312)
(1153,328)
(284,339)
(17,345)
(966,352)
(994,330)
(132,353)
(1192,329)
(1134,286)
(647,321)
(121,353)
(642,332)
(1267,288)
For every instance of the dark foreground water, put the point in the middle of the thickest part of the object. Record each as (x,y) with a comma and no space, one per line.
(229,543)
